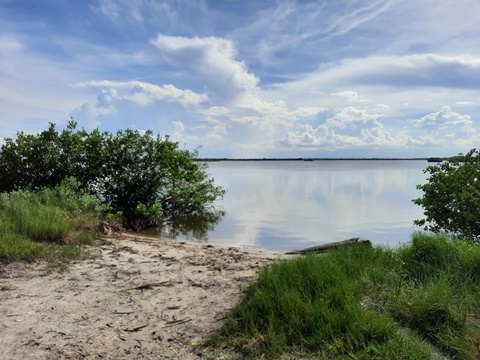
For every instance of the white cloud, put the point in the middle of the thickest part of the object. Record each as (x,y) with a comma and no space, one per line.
(240,117)
(103,106)
(357,17)
(214,111)
(395,86)
(292,29)
(212,61)
(218,133)
(443,118)
(144,93)
(393,72)
(350,96)
(348,127)
(178,131)
(323,86)
(303,112)
(447,127)
(141,13)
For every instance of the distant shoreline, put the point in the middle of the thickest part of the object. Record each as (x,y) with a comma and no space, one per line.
(302,159)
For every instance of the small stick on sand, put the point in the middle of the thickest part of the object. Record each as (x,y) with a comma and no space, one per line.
(135,329)
(148,286)
(176,322)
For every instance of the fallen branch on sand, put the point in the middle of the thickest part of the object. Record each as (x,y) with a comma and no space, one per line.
(148,286)
(176,322)
(329,246)
(135,329)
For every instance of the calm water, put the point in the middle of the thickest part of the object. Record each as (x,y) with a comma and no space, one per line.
(285,205)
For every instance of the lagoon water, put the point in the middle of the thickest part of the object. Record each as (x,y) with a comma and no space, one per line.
(285,205)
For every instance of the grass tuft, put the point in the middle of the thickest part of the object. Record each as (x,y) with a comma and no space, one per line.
(51,224)
(415,302)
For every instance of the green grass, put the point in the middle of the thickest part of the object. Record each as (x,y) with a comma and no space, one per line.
(36,221)
(51,224)
(416,302)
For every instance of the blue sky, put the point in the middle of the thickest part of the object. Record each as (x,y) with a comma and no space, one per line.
(327,78)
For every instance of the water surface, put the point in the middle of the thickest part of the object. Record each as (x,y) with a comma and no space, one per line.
(285,205)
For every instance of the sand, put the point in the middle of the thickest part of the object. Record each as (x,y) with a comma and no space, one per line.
(138,298)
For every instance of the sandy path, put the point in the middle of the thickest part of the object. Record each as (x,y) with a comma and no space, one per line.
(138,299)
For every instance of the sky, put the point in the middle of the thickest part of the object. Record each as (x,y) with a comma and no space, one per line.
(251,78)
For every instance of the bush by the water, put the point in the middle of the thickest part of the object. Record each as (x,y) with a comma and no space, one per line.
(451,197)
(139,176)
(416,302)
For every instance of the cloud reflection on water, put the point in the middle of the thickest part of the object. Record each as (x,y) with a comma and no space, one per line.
(286,205)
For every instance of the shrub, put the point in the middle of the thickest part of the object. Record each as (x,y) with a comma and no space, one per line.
(135,173)
(451,199)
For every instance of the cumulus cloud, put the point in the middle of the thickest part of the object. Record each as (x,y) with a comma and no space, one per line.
(129,99)
(348,127)
(212,61)
(394,87)
(240,116)
(144,93)
(234,110)
(446,127)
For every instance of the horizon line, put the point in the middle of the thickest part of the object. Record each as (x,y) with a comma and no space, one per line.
(307,158)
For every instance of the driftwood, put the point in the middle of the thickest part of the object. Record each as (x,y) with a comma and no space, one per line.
(329,246)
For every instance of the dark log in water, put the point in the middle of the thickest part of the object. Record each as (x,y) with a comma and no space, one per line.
(329,246)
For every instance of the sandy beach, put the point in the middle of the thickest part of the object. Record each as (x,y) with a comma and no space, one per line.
(138,298)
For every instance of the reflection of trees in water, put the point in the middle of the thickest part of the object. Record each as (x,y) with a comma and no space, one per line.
(193,227)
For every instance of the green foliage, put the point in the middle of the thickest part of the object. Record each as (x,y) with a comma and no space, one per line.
(133,173)
(440,292)
(42,160)
(451,199)
(33,219)
(71,197)
(49,223)
(15,246)
(428,257)
(363,303)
